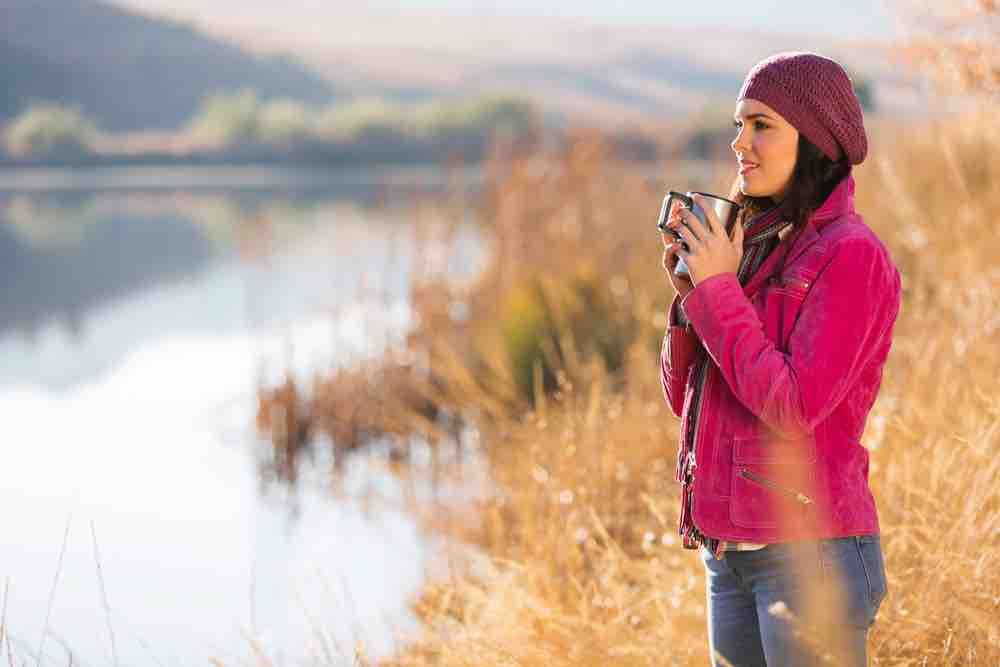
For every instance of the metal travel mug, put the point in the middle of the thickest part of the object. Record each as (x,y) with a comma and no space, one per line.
(726,211)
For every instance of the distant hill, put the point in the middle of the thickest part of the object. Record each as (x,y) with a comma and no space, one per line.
(128,71)
(609,74)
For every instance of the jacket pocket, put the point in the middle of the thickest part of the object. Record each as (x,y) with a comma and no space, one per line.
(766,448)
(753,447)
(772,482)
(782,301)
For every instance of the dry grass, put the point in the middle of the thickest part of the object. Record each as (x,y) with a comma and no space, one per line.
(578,561)
(956,42)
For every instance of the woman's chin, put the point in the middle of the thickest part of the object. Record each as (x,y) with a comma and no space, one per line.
(750,190)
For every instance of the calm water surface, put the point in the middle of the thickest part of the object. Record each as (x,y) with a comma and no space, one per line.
(139,311)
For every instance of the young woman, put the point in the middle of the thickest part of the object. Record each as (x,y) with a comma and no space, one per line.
(772,359)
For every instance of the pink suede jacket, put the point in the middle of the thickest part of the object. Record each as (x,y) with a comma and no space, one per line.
(796,363)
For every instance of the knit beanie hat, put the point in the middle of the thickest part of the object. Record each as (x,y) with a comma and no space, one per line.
(815,95)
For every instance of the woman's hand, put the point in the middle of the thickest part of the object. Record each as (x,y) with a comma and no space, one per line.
(711,251)
(682,284)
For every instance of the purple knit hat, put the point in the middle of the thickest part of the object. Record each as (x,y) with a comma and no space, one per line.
(815,95)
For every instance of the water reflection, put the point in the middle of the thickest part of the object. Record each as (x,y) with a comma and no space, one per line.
(59,260)
(155,459)
(136,328)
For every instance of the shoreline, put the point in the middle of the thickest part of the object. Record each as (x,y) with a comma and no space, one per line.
(265,177)
(194,176)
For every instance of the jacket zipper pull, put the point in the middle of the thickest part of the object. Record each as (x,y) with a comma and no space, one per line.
(798,282)
(798,495)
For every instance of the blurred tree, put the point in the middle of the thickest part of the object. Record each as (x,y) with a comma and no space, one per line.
(365,117)
(497,112)
(374,118)
(225,119)
(49,130)
(285,122)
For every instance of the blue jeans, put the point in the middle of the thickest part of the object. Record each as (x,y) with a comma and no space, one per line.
(747,629)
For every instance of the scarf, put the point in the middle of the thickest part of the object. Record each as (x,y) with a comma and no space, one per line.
(760,238)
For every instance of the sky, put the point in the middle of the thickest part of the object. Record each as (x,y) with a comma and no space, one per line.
(846,18)
(782,15)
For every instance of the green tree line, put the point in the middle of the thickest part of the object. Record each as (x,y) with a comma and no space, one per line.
(232,119)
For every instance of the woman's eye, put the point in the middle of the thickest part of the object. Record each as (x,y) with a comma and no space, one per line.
(758,124)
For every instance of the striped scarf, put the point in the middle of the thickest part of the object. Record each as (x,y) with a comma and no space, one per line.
(760,238)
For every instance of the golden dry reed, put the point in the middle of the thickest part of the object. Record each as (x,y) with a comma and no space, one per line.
(575,559)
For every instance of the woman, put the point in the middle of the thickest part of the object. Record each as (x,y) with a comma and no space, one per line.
(772,359)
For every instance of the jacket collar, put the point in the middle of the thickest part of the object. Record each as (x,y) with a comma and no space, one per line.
(839,203)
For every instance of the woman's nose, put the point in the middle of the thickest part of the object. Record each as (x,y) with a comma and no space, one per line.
(739,145)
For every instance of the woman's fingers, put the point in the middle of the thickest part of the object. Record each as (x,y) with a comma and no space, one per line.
(687,233)
(670,243)
(670,260)
(672,221)
(691,225)
(669,240)
(711,222)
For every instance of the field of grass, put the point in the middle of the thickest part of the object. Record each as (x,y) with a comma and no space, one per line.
(576,561)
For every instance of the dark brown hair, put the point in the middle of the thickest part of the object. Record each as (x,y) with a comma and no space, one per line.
(813,179)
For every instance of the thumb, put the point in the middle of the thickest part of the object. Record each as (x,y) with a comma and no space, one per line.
(738,234)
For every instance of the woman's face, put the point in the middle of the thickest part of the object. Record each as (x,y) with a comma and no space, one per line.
(766,146)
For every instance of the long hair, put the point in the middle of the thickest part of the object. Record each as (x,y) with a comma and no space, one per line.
(813,179)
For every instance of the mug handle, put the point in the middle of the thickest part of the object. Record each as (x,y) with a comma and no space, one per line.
(665,211)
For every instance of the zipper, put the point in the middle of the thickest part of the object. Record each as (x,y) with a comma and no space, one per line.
(698,421)
(689,530)
(754,477)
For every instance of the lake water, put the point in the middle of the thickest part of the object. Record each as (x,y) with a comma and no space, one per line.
(140,309)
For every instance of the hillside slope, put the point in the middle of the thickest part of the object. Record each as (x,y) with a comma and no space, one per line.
(126,70)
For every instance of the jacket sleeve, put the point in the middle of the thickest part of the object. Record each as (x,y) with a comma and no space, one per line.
(680,344)
(842,321)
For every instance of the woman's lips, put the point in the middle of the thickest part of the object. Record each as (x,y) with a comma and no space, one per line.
(746,166)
